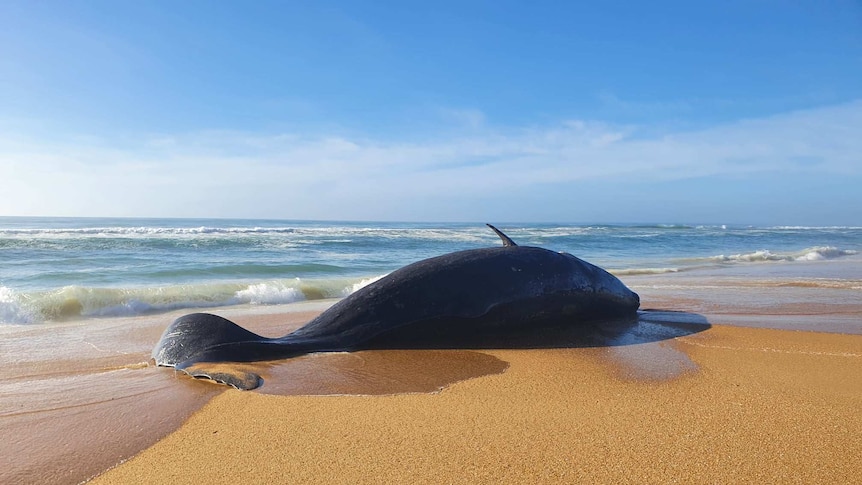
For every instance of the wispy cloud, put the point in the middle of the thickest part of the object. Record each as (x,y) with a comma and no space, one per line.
(614,104)
(469,118)
(329,176)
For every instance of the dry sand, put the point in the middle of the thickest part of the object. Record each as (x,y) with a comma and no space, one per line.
(749,405)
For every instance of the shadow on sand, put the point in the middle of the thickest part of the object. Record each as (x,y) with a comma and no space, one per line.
(428,359)
(646,327)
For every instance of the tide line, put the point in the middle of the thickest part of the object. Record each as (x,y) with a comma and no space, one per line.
(769,349)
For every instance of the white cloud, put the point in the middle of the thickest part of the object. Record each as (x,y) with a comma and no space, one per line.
(229,173)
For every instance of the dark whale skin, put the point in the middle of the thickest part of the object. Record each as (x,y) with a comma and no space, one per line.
(470,291)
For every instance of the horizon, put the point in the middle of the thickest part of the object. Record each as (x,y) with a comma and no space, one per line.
(731,113)
(645,224)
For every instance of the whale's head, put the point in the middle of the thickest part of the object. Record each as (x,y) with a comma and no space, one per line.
(614,296)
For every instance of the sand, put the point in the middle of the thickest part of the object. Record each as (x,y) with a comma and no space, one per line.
(747,405)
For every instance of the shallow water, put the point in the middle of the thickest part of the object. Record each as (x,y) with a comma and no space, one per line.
(816,296)
(76,399)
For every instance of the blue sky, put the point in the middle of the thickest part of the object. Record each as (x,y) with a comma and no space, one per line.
(725,112)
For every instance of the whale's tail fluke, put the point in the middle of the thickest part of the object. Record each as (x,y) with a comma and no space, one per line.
(192,336)
(196,343)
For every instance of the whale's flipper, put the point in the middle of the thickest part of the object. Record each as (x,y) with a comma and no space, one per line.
(236,375)
(505,238)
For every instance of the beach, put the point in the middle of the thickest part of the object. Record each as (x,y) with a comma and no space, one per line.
(763,406)
(741,372)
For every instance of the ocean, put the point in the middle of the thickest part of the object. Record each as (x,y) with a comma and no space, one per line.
(62,269)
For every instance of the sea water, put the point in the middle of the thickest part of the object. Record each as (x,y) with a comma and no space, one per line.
(61,269)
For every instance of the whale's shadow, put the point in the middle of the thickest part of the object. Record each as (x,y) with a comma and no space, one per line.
(430,358)
(646,326)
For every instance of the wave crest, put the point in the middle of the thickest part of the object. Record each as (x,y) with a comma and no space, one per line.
(642,271)
(75,302)
(819,253)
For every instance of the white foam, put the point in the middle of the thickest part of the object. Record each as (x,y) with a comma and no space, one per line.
(72,302)
(12,309)
(270,293)
(814,228)
(142,231)
(821,253)
(810,254)
(642,271)
(762,255)
(357,286)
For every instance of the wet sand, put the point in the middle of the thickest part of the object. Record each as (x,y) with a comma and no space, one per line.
(77,398)
(734,380)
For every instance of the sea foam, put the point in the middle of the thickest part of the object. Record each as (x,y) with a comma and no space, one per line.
(270,294)
(74,302)
(12,310)
(809,254)
(642,271)
(362,284)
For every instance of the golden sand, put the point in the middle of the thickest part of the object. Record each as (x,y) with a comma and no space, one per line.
(754,405)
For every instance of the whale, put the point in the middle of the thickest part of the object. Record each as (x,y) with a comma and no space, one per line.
(477,292)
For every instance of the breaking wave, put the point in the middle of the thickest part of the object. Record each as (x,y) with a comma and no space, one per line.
(809,254)
(642,271)
(74,302)
(346,233)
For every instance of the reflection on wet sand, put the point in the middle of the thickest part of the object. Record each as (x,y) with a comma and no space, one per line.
(647,351)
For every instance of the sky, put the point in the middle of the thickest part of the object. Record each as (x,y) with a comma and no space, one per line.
(676,112)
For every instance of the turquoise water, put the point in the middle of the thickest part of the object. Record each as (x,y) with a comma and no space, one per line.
(53,269)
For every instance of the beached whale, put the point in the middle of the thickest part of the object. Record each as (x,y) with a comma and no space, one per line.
(477,291)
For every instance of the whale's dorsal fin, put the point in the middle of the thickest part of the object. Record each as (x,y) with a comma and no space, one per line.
(506,240)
